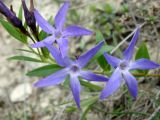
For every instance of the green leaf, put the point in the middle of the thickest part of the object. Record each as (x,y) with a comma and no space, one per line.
(13,31)
(20,16)
(45,52)
(71,109)
(42,35)
(66,82)
(142,53)
(90,85)
(89,101)
(99,36)
(24,58)
(101,60)
(105,48)
(103,63)
(44,71)
(24,50)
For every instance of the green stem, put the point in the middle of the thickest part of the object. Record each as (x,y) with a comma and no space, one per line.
(146,75)
(41,57)
(135,74)
(50,61)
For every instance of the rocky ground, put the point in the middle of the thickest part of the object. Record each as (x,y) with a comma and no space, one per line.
(19,100)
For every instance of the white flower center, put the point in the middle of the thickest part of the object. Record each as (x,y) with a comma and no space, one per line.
(74,69)
(58,35)
(123,65)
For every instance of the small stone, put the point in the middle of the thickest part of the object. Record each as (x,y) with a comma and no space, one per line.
(21,92)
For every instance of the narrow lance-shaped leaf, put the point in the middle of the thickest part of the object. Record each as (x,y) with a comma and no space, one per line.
(101,60)
(24,58)
(90,85)
(99,36)
(20,16)
(104,64)
(44,71)
(105,48)
(25,50)
(142,53)
(13,31)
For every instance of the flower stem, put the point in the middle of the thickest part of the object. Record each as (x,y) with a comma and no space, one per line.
(135,74)
(146,75)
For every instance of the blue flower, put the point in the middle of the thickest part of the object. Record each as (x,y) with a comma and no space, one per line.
(73,69)
(122,68)
(58,33)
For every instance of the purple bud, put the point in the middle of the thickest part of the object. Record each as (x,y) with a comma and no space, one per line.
(11,17)
(29,17)
(4,10)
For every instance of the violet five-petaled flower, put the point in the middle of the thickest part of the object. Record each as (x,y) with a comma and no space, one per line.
(59,33)
(73,69)
(122,68)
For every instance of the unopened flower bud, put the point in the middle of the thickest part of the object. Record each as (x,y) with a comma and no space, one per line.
(11,17)
(30,18)
(4,10)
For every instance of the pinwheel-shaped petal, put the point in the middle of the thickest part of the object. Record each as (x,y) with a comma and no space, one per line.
(59,33)
(73,69)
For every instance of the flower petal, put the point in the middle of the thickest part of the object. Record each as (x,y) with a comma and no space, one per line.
(54,79)
(48,40)
(37,44)
(112,85)
(76,88)
(144,64)
(113,61)
(73,31)
(128,53)
(132,84)
(43,23)
(84,58)
(88,75)
(60,18)
(63,45)
(56,54)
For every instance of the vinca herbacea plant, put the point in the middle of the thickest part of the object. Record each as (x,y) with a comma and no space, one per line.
(49,42)
(73,69)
